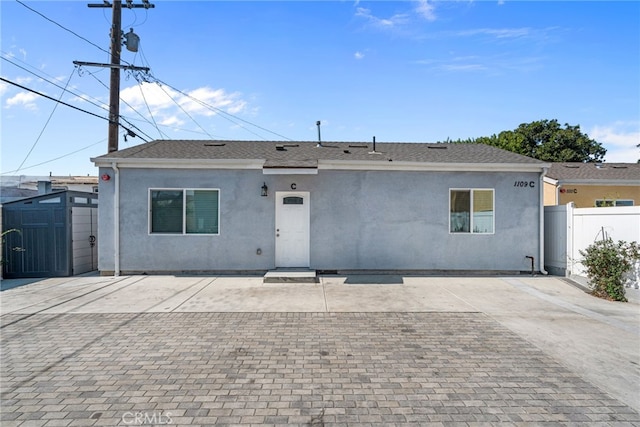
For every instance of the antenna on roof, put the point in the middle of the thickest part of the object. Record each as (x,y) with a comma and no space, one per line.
(319,139)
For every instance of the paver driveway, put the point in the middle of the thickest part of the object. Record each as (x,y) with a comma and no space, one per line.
(287,368)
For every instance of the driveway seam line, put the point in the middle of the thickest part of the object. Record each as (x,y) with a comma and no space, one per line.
(196,293)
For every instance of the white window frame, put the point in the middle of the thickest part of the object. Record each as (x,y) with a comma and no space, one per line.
(493,217)
(184,216)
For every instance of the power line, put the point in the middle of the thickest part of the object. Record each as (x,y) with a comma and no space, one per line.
(46,123)
(85,97)
(128,105)
(57,158)
(149,109)
(67,29)
(63,27)
(58,86)
(183,110)
(62,102)
(232,118)
(96,103)
(224,113)
(52,99)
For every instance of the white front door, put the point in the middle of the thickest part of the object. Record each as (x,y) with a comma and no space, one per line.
(292,229)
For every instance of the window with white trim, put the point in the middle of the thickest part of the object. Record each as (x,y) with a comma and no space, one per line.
(471,211)
(184,211)
(602,203)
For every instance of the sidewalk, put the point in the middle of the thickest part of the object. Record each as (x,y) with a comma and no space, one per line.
(547,335)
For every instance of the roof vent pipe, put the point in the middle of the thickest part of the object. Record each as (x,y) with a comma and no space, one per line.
(319,139)
(374,147)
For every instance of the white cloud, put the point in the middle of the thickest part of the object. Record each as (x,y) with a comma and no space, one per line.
(21,51)
(24,80)
(620,139)
(87,98)
(172,121)
(494,64)
(166,104)
(499,33)
(426,10)
(23,99)
(463,67)
(407,22)
(384,23)
(358,55)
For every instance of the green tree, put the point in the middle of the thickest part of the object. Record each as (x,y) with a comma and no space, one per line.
(546,140)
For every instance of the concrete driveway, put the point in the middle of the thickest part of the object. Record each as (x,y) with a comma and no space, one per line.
(351,350)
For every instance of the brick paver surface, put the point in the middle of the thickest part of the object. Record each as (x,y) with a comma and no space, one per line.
(309,369)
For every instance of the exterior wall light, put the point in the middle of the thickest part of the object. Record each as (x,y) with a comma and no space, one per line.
(105,177)
(265,190)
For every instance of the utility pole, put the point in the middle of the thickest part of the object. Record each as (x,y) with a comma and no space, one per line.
(114,82)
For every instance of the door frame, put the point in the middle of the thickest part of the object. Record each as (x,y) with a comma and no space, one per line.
(305,244)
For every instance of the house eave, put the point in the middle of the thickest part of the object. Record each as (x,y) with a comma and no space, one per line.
(594,182)
(322,164)
(431,166)
(180,163)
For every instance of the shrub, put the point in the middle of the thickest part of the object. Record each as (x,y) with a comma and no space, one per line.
(606,263)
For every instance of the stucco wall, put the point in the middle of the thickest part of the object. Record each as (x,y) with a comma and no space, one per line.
(550,196)
(584,196)
(386,220)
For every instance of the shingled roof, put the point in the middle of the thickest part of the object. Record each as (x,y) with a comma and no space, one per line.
(278,154)
(595,172)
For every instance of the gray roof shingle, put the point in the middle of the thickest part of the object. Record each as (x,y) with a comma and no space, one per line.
(597,172)
(307,154)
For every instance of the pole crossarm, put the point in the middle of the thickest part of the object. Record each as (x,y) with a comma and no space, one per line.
(118,66)
(128,4)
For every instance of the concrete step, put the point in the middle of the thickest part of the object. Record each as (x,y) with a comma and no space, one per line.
(291,275)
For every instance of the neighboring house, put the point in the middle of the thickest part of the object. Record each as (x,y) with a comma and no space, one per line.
(590,185)
(247,206)
(16,187)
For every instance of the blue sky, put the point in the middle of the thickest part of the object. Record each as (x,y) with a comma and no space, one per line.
(418,71)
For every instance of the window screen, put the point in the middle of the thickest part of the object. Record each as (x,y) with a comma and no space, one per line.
(166,211)
(202,211)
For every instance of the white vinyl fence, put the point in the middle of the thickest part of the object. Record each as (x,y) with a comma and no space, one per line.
(568,230)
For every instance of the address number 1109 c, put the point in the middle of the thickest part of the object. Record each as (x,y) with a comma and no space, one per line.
(525,184)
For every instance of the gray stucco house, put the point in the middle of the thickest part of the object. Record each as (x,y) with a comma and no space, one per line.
(254,206)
